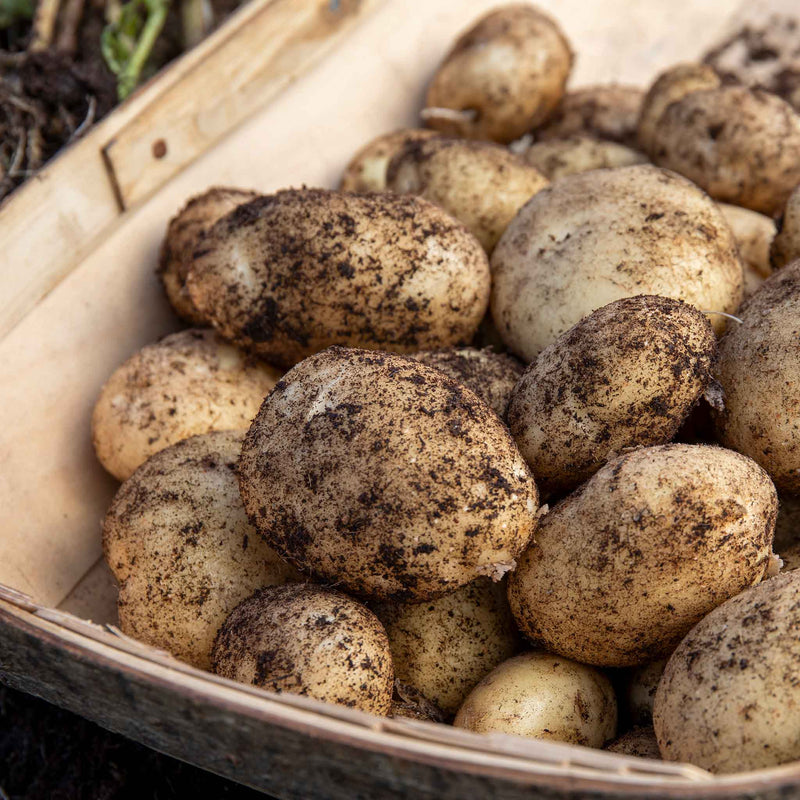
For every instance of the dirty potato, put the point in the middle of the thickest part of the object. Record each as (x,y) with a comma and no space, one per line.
(623,568)
(787,531)
(384,477)
(785,246)
(639,691)
(557,158)
(639,741)
(187,383)
(292,273)
(754,234)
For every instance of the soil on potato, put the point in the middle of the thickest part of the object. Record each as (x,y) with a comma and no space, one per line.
(50,754)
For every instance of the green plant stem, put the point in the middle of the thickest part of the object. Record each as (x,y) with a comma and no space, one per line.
(129,76)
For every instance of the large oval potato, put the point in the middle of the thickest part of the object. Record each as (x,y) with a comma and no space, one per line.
(383,476)
(599,236)
(185,384)
(729,695)
(625,376)
(292,273)
(481,184)
(759,370)
(545,697)
(178,540)
(508,72)
(623,568)
(558,158)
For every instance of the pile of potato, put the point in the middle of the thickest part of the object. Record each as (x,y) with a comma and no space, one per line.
(445,443)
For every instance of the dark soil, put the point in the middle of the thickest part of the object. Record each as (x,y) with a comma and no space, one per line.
(50,754)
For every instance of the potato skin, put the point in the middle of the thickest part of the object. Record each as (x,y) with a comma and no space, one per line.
(445,646)
(185,384)
(366,171)
(481,184)
(185,232)
(785,247)
(625,376)
(741,145)
(759,371)
(383,476)
(292,273)
(311,641)
(510,67)
(787,531)
(639,691)
(492,376)
(558,158)
(754,234)
(681,527)
(640,742)
(599,236)
(545,697)
(728,699)
(178,540)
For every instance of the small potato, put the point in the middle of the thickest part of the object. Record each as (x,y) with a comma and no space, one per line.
(492,376)
(184,235)
(741,145)
(187,383)
(603,235)
(671,86)
(623,568)
(759,370)
(640,742)
(754,234)
(480,184)
(408,703)
(292,273)
(639,691)
(385,477)
(366,171)
(508,72)
(544,697)
(625,376)
(609,113)
(178,540)
(444,647)
(557,158)
(729,696)
(786,245)
(787,532)
(311,641)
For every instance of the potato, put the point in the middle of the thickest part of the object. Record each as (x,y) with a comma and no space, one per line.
(610,113)
(480,184)
(311,641)
(625,376)
(507,72)
(184,234)
(600,236)
(178,540)
(785,246)
(544,697)
(741,145)
(557,158)
(639,691)
(385,477)
(787,532)
(408,703)
(671,86)
(728,699)
(622,569)
(759,370)
(366,171)
(291,273)
(185,384)
(754,234)
(445,646)
(640,742)
(492,376)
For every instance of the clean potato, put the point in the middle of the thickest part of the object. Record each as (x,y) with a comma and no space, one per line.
(481,184)
(593,238)
(558,158)
(625,376)
(383,476)
(185,384)
(292,273)
(544,697)
(366,171)
(754,234)
(785,246)
(178,540)
(185,233)
(445,646)
(311,641)
(729,696)
(504,76)
(622,569)
(759,370)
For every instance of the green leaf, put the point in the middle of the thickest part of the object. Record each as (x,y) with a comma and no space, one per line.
(13,10)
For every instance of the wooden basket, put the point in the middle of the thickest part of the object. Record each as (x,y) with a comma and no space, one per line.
(78,295)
